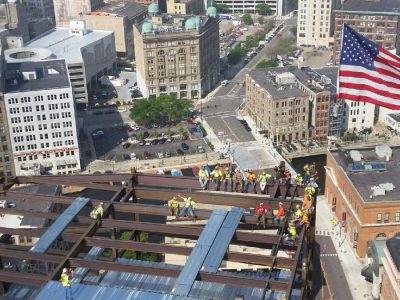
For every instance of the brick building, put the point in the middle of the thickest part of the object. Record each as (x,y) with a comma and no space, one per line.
(391,270)
(378,20)
(362,187)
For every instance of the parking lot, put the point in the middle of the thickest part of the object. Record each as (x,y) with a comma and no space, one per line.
(114,145)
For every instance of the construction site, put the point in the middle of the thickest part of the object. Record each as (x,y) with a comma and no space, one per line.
(138,251)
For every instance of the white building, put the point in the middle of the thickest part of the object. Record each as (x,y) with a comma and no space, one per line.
(393,120)
(40,113)
(249,6)
(314,22)
(358,115)
(89,54)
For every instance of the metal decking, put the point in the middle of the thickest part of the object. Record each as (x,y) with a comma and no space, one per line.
(56,229)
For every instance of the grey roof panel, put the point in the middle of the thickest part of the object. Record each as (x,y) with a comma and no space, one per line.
(372,7)
(222,240)
(54,231)
(199,253)
(92,255)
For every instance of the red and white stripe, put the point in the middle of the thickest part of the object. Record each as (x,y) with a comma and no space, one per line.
(380,87)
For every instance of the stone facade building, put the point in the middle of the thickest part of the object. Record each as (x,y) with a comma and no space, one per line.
(185,7)
(391,270)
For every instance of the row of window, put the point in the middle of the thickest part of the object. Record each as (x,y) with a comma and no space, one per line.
(171,43)
(387,217)
(44,145)
(47,155)
(37,98)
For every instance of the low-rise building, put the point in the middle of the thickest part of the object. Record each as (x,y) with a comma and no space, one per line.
(391,269)
(377,20)
(185,7)
(393,120)
(40,112)
(278,7)
(89,55)
(120,19)
(362,187)
(177,55)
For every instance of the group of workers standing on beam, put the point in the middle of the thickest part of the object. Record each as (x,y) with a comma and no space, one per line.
(239,181)
(182,210)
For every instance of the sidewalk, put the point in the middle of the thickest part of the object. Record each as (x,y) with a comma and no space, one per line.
(349,261)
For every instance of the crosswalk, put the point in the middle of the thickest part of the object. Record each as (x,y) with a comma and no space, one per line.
(322,233)
(328,254)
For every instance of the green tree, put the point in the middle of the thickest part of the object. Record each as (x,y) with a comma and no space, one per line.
(139,135)
(221,8)
(263,9)
(235,55)
(266,64)
(261,20)
(247,19)
(155,134)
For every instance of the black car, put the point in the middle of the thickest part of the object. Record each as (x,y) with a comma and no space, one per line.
(162,140)
(180,151)
(110,111)
(185,146)
(126,145)
(126,157)
(146,134)
(247,128)
(154,142)
(142,142)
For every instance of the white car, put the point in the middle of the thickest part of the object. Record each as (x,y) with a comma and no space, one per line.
(133,156)
(224,82)
(148,143)
(135,127)
(160,155)
(98,133)
(132,140)
(200,149)
(133,88)
(121,109)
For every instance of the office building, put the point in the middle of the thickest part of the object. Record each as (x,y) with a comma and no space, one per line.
(185,7)
(40,113)
(278,7)
(69,10)
(120,19)
(40,8)
(14,18)
(377,20)
(391,269)
(89,55)
(362,187)
(314,22)
(177,55)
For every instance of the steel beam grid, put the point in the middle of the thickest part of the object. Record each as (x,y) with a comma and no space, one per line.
(154,187)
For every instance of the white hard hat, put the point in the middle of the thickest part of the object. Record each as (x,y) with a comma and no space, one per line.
(65,270)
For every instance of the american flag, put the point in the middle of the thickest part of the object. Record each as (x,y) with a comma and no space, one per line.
(368,72)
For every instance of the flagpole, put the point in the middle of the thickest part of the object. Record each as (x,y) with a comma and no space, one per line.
(338,71)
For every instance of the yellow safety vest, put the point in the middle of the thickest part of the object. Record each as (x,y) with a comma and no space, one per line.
(299,213)
(174,203)
(299,179)
(189,203)
(228,175)
(310,190)
(203,173)
(292,231)
(217,174)
(308,170)
(264,178)
(65,280)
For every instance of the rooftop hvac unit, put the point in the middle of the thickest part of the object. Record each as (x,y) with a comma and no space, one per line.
(377,191)
(356,156)
(388,186)
(383,151)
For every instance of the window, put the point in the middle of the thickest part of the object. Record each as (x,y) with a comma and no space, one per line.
(379,218)
(397,217)
(387,217)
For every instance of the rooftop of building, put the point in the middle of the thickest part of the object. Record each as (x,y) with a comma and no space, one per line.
(122,9)
(372,6)
(64,45)
(371,175)
(29,76)
(393,245)
(317,80)
(266,78)
(395,117)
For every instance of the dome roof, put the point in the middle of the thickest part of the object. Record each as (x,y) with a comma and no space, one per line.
(212,12)
(153,8)
(191,24)
(147,27)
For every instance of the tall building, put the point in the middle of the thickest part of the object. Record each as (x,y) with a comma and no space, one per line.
(177,55)
(391,269)
(40,113)
(362,187)
(89,55)
(69,10)
(40,8)
(14,17)
(314,22)
(277,105)
(378,20)
(120,19)
(185,7)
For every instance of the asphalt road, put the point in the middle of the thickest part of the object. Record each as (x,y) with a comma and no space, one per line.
(329,281)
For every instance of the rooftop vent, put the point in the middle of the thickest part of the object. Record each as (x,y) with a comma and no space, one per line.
(29,75)
(356,156)
(383,151)
(377,191)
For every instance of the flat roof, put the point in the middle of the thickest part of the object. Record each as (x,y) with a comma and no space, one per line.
(64,45)
(130,10)
(363,181)
(49,74)
(372,7)
(265,78)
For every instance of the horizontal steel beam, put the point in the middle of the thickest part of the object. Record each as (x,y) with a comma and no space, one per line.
(30,256)
(21,278)
(174,272)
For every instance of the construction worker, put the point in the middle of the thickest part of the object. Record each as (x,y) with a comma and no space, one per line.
(203,177)
(298,179)
(227,179)
(280,216)
(292,231)
(173,205)
(305,220)
(238,180)
(307,202)
(244,183)
(310,190)
(65,279)
(261,213)
(251,179)
(216,176)
(299,213)
(97,213)
(307,173)
(263,179)
(288,177)
(187,207)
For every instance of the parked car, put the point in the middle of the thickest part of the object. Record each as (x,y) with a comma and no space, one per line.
(126,145)
(180,151)
(224,82)
(185,146)
(94,97)
(200,149)
(142,143)
(133,156)
(126,156)
(170,139)
(162,140)
(154,142)
(146,134)
(146,155)
(98,133)
(160,155)
(132,140)
(148,143)
(184,137)
(167,154)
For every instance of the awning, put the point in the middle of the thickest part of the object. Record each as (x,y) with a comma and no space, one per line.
(367,272)
(60,163)
(47,164)
(71,161)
